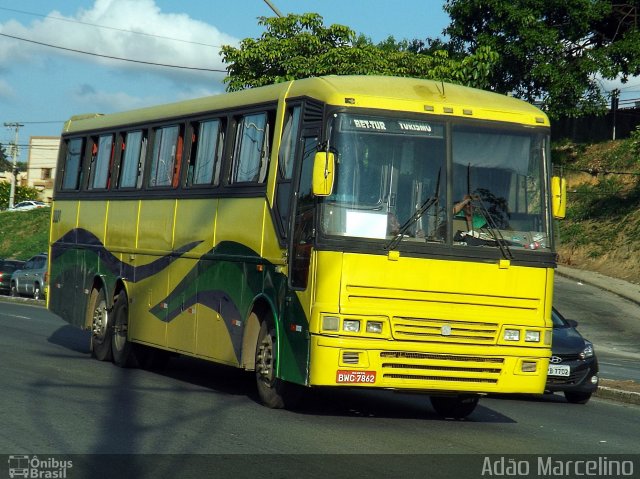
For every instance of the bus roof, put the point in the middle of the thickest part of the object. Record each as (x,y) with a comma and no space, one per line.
(376,92)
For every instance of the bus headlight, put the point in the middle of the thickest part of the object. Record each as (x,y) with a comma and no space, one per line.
(512,335)
(532,336)
(374,327)
(330,323)
(351,325)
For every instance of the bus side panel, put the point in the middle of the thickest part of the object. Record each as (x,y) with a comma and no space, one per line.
(92,216)
(181,318)
(220,284)
(193,230)
(122,226)
(151,278)
(147,292)
(63,260)
(155,226)
(241,220)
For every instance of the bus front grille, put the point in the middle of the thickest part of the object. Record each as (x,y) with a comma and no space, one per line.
(420,367)
(443,331)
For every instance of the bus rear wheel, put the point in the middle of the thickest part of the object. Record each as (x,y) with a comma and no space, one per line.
(273,391)
(454,407)
(100,328)
(122,350)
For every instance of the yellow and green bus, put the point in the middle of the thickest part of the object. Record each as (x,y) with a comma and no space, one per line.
(339,231)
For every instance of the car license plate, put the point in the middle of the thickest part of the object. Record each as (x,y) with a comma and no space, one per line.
(555,370)
(356,377)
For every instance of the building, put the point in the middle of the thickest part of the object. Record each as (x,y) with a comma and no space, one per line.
(41,165)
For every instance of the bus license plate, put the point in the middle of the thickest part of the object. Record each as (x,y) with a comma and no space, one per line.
(356,377)
(559,370)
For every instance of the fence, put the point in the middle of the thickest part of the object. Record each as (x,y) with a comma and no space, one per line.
(589,129)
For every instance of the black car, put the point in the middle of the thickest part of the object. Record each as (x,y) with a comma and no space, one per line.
(573,368)
(7,267)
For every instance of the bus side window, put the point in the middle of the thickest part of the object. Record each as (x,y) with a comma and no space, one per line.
(134,151)
(167,153)
(251,150)
(72,172)
(101,162)
(303,228)
(206,153)
(286,158)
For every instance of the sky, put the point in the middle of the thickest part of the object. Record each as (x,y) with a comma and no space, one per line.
(41,86)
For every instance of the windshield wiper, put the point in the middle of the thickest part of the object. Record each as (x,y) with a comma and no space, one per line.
(429,202)
(417,214)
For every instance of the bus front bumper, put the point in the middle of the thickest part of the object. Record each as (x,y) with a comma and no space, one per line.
(339,361)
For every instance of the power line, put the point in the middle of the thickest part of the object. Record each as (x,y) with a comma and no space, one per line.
(105,27)
(112,57)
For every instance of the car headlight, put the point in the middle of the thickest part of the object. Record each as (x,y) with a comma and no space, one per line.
(587,352)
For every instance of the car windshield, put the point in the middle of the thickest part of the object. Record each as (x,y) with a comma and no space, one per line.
(391,181)
(558,321)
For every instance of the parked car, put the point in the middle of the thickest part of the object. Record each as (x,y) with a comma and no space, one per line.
(573,369)
(7,267)
(31,280)
(28,205)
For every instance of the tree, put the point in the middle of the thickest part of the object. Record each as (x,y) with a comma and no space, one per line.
(22,193)
(300,46)
(5,163)
(551,51)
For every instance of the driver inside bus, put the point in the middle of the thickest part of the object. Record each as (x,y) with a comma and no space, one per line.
(464,209)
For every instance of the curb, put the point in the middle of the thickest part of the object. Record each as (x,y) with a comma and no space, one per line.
(629,397)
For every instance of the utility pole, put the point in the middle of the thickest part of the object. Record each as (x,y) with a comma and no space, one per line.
(14,172)
(274,8)
(615,101)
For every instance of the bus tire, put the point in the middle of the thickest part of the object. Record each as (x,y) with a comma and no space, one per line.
(454,407)
(273,391)
(98,319)
(122,350)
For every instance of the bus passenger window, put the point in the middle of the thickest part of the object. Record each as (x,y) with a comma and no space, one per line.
(204,168)
(167,145)
(251,152)
(73,164)
(135,150)
(101,162)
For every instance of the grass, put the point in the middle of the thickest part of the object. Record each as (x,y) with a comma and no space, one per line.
(24,233)
(602,229)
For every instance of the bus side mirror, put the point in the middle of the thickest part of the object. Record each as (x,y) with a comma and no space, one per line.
(323,168)
(558,197)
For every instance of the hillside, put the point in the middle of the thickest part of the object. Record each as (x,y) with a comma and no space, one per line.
(602,228)
(24,233)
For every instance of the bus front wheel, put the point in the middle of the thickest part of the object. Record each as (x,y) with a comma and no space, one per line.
(455,407)
(273,391)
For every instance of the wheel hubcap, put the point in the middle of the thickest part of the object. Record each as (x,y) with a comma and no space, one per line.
(99,323)
(265,360)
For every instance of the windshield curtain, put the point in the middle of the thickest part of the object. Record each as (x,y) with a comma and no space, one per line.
(391,182)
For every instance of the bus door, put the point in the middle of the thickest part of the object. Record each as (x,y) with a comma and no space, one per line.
(297,303)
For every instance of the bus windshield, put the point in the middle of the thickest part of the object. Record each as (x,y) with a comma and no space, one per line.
(391,183)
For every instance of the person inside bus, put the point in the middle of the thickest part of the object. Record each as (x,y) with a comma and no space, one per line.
(464,209)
